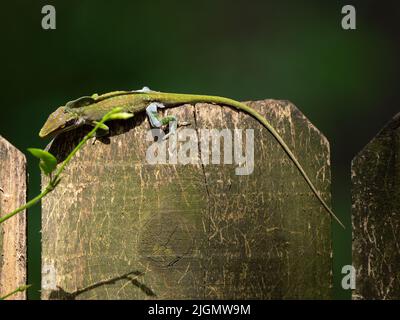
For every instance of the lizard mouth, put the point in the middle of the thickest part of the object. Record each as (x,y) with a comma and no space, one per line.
(71,125)
(44,133)
(51,134)
(59,121)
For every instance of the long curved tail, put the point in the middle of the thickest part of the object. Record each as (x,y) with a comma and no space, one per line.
(239,105)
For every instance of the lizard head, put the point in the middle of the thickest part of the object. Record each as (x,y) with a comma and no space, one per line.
(61,120)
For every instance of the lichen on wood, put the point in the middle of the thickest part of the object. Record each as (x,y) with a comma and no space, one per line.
(118,227)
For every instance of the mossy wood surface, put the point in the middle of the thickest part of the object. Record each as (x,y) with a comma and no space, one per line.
(119,228)
(12,231)
(376,215)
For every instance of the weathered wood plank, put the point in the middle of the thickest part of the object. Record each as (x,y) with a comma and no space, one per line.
(119,228)
(376,215)
(13,231)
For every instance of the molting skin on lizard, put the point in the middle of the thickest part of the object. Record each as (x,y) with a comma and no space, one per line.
(90,109)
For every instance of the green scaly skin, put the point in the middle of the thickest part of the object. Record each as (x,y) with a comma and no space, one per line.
(92,109)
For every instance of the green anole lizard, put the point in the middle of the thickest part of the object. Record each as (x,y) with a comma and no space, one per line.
(90,109)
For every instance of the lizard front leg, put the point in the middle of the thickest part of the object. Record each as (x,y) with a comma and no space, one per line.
(156,122)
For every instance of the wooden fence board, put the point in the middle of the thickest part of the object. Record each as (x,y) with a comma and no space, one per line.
(376,215)
(12,231)
(119,228)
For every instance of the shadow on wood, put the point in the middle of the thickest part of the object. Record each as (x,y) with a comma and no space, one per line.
(61,294)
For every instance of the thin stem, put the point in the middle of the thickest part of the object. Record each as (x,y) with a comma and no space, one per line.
(19,289)
(26,206)
(76,149)
(56,178)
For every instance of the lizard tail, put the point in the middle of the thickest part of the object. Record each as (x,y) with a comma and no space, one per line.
(266,124)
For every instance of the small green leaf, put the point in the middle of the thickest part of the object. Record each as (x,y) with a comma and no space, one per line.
(116,110)
(47,163)
(120,116)
(24,287)
(101,126)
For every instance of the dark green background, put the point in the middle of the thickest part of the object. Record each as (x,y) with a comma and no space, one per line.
(345,82)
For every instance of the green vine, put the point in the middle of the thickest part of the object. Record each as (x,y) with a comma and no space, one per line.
(48,162)
(19,289)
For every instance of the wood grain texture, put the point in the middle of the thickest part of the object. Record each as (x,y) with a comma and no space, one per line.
(376,215)
(13,231)
(119,228)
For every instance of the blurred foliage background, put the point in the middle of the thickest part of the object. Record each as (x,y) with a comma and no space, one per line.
(345,82)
